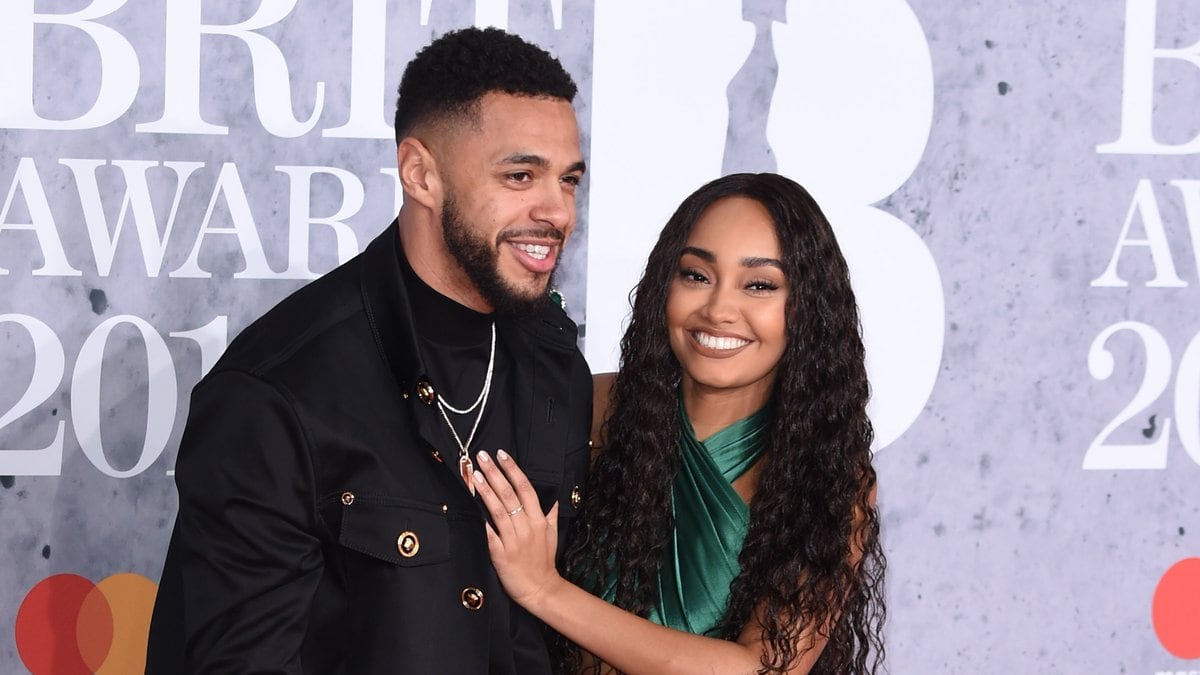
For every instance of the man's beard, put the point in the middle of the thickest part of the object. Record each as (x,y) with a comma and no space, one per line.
(480,259)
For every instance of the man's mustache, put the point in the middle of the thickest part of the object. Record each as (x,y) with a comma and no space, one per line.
(531,233)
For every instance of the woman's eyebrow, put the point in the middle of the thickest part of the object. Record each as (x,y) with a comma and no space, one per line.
(762,262)
(752,261)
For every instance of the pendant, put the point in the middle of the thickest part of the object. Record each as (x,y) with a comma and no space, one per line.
(467,469)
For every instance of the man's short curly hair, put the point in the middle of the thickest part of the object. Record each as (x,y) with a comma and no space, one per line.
(448,77)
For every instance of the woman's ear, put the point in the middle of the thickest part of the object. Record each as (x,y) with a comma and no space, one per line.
(419,173)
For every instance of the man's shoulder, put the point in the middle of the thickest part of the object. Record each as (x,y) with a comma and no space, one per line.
(551,324)
(553,331)
(309,322)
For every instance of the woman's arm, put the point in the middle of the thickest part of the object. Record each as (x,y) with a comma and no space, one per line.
(522,546)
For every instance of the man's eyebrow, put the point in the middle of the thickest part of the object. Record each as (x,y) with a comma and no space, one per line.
(526,159)
(523,158)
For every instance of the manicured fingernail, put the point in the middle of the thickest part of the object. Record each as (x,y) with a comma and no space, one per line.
(502,455)
(483,457)
(478,477)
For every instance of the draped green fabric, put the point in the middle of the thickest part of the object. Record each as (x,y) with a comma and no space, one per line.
(711,520)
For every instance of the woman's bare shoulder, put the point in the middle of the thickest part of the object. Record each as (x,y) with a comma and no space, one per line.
(602,384)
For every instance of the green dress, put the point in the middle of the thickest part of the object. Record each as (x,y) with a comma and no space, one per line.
(701,559)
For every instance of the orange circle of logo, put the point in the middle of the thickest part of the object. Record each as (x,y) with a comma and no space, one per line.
(1176,609)
(66,624)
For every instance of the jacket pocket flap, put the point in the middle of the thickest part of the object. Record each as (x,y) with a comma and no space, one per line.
(402,535)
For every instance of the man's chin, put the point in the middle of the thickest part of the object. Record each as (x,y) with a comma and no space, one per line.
(527,285)
(524,300)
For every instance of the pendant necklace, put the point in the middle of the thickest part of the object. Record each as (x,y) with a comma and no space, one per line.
(465,467)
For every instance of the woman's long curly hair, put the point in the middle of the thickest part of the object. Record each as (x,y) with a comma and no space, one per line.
(814,502)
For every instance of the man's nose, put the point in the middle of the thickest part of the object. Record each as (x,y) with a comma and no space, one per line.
(555,206)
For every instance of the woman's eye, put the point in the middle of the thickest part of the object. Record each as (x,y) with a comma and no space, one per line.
(762,286)
(693,276)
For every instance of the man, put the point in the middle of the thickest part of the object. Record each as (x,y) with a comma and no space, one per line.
(324,523)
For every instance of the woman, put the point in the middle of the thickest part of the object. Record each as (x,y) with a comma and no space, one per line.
(733,503)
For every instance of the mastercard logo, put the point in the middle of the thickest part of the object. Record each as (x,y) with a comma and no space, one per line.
(1176,609)
(68,625)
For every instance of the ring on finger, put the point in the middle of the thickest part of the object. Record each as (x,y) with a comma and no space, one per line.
(516,511)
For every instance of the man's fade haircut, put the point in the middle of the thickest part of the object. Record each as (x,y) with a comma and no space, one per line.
(450,76)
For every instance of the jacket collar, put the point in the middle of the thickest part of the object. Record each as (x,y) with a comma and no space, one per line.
(385,300)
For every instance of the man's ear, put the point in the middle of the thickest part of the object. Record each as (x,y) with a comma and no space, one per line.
(419,173)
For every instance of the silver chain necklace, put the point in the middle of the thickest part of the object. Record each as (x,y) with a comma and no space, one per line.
(465,467)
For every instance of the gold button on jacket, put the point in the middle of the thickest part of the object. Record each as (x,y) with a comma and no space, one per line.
(472,598)
(408,544)
(425,391)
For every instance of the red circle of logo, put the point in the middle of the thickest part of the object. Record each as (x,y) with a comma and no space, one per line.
(1176,609)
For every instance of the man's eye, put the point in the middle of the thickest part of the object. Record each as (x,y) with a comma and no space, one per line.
(573,181)
(520,176)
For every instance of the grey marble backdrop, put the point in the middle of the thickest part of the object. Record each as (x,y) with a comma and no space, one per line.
(1006,554)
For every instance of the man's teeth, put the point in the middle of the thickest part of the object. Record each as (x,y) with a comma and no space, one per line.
(534,250)
(714,342)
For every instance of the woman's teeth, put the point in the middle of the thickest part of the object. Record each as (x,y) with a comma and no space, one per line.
(714,342)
